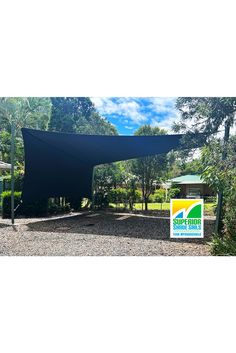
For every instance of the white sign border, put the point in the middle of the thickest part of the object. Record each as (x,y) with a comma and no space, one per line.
(186,236)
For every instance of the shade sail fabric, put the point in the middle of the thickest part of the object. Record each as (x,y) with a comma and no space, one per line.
(61,164)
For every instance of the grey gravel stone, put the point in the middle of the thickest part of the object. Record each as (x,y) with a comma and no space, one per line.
(103,234)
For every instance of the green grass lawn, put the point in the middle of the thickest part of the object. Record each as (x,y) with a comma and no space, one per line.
(208,207)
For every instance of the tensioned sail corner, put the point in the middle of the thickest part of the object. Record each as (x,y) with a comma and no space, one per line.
(61,164)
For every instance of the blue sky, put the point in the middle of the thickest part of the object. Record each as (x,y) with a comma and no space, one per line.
(129,113)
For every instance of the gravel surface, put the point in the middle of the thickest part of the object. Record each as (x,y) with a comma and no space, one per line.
(98,233)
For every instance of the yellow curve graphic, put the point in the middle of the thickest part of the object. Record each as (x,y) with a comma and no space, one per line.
(177,205)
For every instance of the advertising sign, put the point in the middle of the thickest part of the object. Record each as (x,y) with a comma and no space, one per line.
(186,218)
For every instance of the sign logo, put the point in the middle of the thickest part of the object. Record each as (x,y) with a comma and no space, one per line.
(186,218)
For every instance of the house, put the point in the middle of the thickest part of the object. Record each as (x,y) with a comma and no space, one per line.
(192,186)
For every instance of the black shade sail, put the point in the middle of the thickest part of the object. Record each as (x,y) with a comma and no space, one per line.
(61,164)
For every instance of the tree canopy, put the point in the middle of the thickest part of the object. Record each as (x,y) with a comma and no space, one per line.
(211,116)
(78,115)
(205,114)
(28,112)
(149,169)
(31,112)
(69,114)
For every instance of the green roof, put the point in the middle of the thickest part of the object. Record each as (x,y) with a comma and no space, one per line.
(188,179)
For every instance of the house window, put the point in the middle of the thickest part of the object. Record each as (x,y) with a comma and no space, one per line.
(194,192)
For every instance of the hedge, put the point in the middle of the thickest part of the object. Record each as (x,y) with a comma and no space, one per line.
(6,202)
(38,208)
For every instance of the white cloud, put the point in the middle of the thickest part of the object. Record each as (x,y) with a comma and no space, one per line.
(123,107)
(165,123)
(133,111)
(163,104)
(233,130)
(129,127)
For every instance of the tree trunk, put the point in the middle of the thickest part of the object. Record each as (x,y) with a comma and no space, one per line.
(219,220)
(146,203)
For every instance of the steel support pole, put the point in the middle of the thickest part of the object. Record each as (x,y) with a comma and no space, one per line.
(12,171)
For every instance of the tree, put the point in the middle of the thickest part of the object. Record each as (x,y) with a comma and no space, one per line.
(222,175)
(16,113)
(149,169)
(22,112)
(177,166)
(28,112)
(78,115)
(5,147)
(205,115)
(209,116)
(106,177)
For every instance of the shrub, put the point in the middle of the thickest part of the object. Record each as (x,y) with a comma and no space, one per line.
(119,195)
(54,208)
(101,200)
(75,202)
(223,246)
(35,209)
(138,196)
(158,196)
(230,210)
(18,182)
(172,193)
(122,195)
(6,202)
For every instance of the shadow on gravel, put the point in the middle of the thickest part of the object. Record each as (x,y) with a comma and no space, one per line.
(3,225)
(107,224)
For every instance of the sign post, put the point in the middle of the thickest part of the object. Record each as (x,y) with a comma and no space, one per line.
(186,218)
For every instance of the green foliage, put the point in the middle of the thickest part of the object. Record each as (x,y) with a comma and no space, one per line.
(205,114)
(119,195)
(114,176)
(209,116)
(67,111)
(230,208)
(5,147)
(191,167)
(221,176)
(173,192)
(100,200)
(161,196)
(223,246)
(75,202)
(6,202)
(124,196)
(107,176)
(158,196)
(18,182)
(31,112)
(78,115)
(149,170)
(214,168)
(39,208)
(22,112)
(54,209)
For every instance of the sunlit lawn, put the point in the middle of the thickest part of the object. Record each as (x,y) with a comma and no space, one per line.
(208,207)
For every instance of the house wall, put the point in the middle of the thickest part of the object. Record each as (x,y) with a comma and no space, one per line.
(204,189)
(208,191)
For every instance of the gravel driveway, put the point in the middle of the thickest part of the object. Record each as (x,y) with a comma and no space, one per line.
(100,233)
